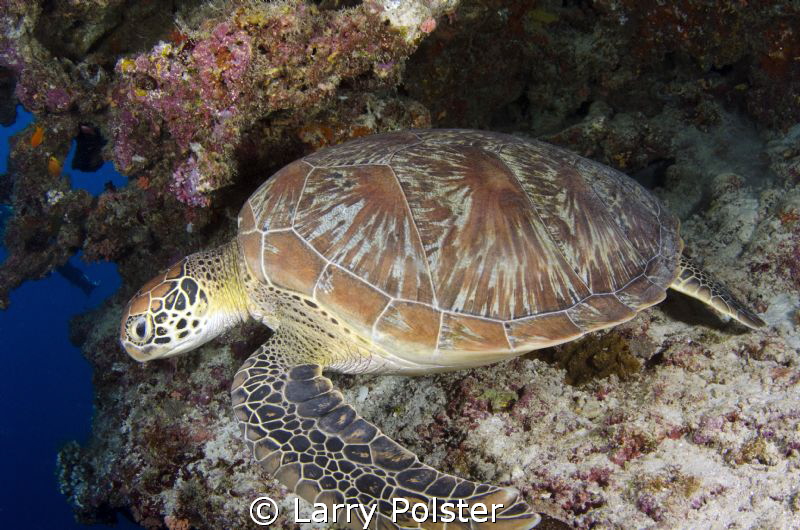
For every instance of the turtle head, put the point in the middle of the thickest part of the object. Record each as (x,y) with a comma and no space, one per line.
(191,303)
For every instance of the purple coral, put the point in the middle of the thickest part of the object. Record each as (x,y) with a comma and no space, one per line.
(188,90)
(58,100)
(648,505)
(192,90)
(185,183)
(10,55)
(209,85)
(226,55)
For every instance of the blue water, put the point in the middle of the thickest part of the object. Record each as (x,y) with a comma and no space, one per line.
(24,118)
(46,391)
(95,181)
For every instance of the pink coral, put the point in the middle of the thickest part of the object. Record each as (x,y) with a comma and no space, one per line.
(190,88)
(648,505)
(428,25)
(58,100)
(185,182)
(213,83)
(225,56)
(193,90)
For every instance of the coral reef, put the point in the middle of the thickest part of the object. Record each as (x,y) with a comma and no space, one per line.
(184,108)
(678,418)
(541,65)
(209,86)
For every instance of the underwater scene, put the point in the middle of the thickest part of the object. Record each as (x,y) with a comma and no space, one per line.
(400,264)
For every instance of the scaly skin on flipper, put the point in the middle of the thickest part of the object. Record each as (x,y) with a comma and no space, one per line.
(302,432)
(697,283)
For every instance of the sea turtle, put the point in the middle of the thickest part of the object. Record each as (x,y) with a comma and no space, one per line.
(411,253)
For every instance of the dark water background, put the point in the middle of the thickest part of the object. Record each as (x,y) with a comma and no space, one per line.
(46,390)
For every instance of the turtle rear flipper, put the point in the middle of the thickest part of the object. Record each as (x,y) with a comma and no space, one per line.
(697,283)
(300,431)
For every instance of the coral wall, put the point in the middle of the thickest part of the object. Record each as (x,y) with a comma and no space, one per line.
(675,418)
(209,95)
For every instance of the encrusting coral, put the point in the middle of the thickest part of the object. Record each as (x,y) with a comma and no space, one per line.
(696,100)
(187,108)
(209,86)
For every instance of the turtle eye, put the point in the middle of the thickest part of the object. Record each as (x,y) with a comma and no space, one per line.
(140,328)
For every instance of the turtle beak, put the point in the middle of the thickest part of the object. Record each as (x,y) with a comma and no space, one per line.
(140,354)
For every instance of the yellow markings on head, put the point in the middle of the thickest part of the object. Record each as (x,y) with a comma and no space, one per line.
(163,314)
(185,306)
(139,304)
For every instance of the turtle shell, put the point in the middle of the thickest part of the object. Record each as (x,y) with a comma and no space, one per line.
(460,242)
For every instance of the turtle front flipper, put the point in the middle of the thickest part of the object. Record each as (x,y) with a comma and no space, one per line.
(695,282)
(302,432)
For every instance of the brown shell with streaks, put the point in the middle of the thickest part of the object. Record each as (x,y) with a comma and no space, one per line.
(461,242)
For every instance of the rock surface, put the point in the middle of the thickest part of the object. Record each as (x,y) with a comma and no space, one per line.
(676,418)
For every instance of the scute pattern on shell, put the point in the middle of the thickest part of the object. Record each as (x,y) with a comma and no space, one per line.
(511,244)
